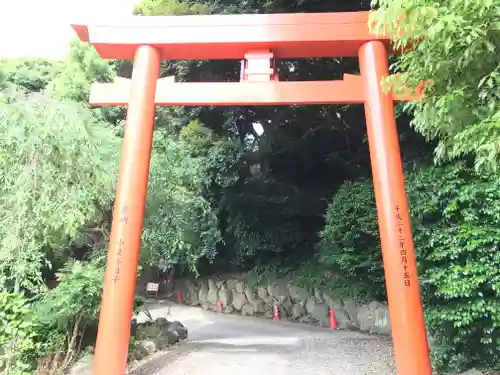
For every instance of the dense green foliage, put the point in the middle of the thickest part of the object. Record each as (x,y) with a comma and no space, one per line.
(225,196)
(455,220)
(182,223)
(350,242)
(458,51)
(54,158)
(456,225)
(32,75)
(83,66)
(48,333)
(16,333)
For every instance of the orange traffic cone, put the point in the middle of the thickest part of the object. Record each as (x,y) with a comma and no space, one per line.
(333,323)
(276,315)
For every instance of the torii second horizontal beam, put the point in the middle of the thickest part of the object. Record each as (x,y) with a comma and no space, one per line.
(170,93)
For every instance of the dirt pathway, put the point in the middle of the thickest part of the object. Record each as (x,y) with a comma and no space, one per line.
(222,344)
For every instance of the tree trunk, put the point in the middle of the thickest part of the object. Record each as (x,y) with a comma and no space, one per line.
(71,344)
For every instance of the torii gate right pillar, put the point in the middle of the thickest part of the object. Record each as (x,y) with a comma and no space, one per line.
(403,292)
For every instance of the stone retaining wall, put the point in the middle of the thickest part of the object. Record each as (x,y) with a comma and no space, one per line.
(294,303)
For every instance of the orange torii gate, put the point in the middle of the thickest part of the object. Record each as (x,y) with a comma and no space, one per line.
(258,40)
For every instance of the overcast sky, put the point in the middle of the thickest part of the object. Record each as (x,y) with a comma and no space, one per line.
(40,28)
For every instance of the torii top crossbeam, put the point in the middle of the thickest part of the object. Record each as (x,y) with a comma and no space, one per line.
(256,40)
(231,36)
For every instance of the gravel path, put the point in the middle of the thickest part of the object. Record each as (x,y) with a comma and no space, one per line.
(221,344)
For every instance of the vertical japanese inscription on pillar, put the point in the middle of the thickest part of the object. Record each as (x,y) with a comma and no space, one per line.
(123,218)
(401,245)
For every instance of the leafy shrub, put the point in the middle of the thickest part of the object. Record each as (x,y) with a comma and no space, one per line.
(16,333)
(350,243)
(65,318)
(457,232)
(70,308)
(50,333)
(455,221)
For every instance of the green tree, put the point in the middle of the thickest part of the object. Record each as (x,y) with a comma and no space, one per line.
(170,7)
(456,47)
(181,218)
(31,74)
(56,171)
(83,66)
(3,79)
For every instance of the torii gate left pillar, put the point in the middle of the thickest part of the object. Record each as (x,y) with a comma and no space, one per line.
(259,38)
(123,253)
